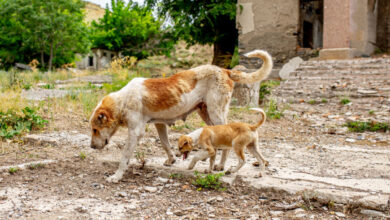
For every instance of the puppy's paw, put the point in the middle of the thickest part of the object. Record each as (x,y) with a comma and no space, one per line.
(266,163)
(113,179)
(169,162)
(218,167)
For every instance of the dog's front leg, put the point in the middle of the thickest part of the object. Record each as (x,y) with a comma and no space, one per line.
(199,156)
(134,136)
(163,134)
(221,165)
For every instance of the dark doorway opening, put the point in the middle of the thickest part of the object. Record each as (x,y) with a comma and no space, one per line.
(383,26)
(311,20)
(90,61)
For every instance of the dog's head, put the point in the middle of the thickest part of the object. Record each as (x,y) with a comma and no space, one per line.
(103,123)
(185,145)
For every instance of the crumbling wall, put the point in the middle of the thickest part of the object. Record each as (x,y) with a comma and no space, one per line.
(269,25)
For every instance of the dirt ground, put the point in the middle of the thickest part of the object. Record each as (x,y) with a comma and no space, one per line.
(308,140)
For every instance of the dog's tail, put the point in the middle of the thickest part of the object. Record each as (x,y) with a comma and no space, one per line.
(258,75)
(263,117)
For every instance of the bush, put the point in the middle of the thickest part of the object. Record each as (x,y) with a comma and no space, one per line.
(12,123)
(209,181)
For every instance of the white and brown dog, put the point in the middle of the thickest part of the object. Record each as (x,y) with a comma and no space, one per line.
(207,89)
(236,136)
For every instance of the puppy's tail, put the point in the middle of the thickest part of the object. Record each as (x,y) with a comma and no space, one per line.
(258,75)
(263,117)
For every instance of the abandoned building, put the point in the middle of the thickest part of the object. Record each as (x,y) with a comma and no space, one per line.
(97,58)
(338,29)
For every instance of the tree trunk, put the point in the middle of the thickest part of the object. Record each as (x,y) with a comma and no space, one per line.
(227,40)
(51,57)
(42,59)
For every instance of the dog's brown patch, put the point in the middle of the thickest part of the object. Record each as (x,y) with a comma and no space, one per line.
(229,82)
(104,115)
(166,93)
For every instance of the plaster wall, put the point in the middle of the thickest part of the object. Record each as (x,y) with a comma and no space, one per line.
(269,25)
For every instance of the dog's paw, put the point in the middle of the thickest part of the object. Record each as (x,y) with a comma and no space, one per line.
(113,179)
(266,163)
(169,162)
(218,168)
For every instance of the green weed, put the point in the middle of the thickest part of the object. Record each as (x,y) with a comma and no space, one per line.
(273,111)
(13,123)
(312,102)
(360,126)
(36,166)
(265,89)
(324,100)
(371,112)
(82,155)
(13,170)
(175,176)
(208,181)
(345,101)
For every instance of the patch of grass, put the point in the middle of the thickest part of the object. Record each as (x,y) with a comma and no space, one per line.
(13,123)
(371,112)
(48,86)
(360,126)
(181,127)
(82,155)
(324,101)
(36,166)
(208,181)
(13,170)
(175,176)
(265,89)
(345,101)
(312,102)
(272,110)
(140,156)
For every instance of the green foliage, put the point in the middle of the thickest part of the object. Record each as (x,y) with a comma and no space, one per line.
(82,155)
(273,111)
(46,30)
(132,30)
(265,89)
(235,58)
(208,181)
(312,102)
(360,126)
(36,166)
(175,176)
(203,22)
(48,86)
(12,123)
(13,170)
(345,101)
(324,100)
(371,112)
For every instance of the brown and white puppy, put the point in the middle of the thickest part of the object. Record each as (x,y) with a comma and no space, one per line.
(206,89)
(236,136)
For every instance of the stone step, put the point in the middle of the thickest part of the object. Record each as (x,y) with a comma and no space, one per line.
(341,72)
(348,62)
(353,67)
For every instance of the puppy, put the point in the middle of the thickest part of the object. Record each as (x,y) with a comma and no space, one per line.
(234,136)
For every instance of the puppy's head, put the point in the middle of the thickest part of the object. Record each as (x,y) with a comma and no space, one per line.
(103,123)
(185,145)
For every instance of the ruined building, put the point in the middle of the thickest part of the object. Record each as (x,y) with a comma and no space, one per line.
(339,29)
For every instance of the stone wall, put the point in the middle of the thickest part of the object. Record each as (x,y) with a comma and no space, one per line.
(269,25)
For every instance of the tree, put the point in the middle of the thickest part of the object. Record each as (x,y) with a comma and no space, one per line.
(203,22)
(132,30)
(43,28)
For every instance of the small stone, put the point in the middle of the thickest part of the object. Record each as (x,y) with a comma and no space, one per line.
(339,214)
(372,213)
(360,137)
(121,194)
(325,208)
(95,185)
(81,209)
(149,175)
(263,198)
(350,140)
(131,206)
(300,215)
(169,213)
(150,189)
(299,210)
(276,213)
(178,213)
(70,193)
(219,199)
(162,180)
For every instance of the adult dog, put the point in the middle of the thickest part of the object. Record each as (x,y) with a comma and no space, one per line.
(236,136)
(207,89)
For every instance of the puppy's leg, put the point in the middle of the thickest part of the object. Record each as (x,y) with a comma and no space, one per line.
(239,144)
(253,148)
(163,134)
(134,136)
(221,165)
(212,161)
(201,155)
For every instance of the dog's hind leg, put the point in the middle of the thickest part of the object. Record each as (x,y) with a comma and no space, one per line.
(239,144)
(163,134)
(135,135)
(253,148)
